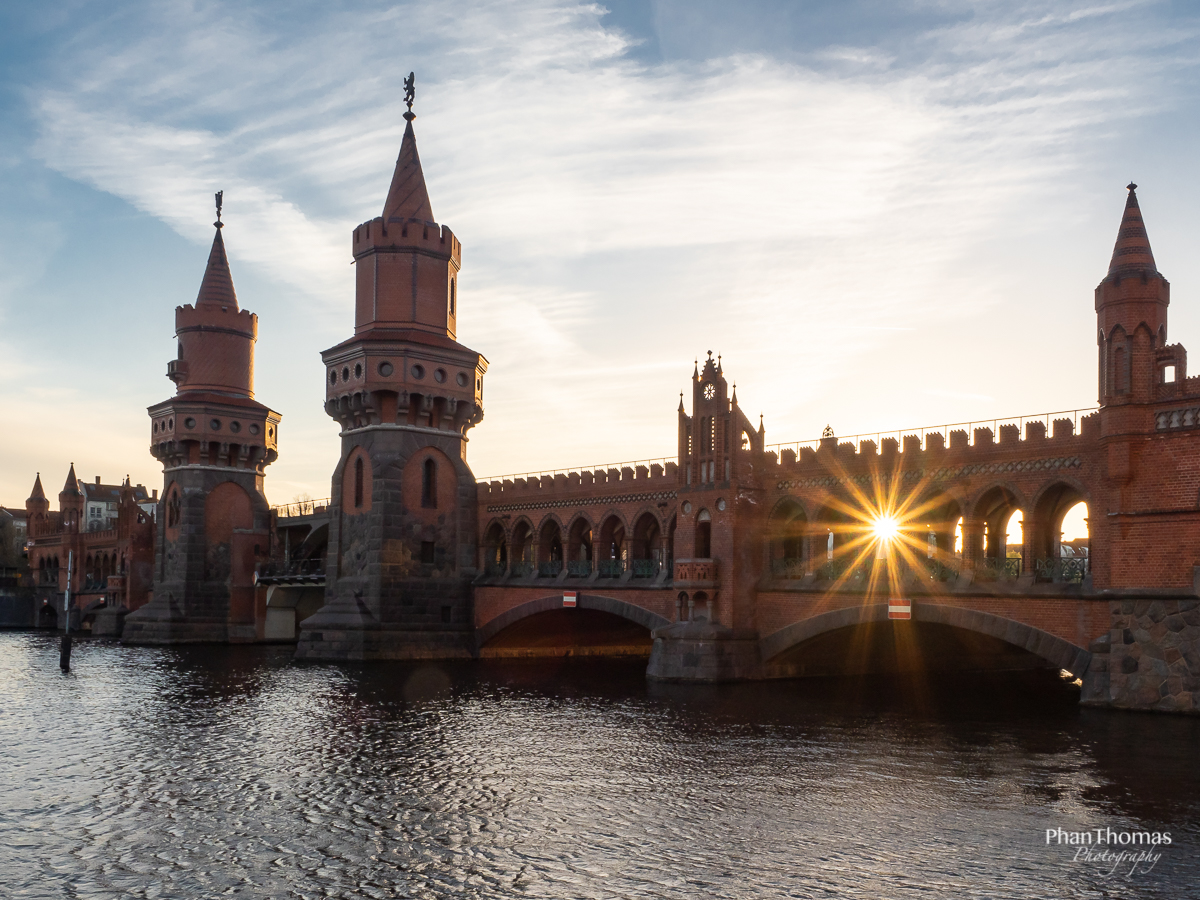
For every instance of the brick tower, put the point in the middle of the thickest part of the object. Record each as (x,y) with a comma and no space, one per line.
(716,569)
(404,392)
(214,441)
(1147,516)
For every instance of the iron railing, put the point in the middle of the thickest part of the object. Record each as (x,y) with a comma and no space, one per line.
(301,508)
(998,569)
(294,569)
(611,568)
(788,568)
(550,568)
(579,568)
(645,568)
(520,568)
(1061,570)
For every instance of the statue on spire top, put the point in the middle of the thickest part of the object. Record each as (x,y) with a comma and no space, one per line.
(409,93)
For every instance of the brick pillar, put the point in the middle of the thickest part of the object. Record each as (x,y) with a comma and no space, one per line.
(972,541)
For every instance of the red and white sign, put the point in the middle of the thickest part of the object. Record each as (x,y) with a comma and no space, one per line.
(568,598)
(899,609)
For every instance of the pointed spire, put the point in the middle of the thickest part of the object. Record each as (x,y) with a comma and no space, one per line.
(1132,254)
(720,371)
(734,390)
(217,287)
(696,371)
(680,401)
(761,430)
(407,197)
(38,493)
(72,484)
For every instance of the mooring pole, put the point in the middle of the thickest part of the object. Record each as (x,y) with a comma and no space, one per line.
(64,658)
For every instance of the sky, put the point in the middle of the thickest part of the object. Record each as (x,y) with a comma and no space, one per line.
(883,215)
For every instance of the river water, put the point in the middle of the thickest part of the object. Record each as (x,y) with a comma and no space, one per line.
(211,771)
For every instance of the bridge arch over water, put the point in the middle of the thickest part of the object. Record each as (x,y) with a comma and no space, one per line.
(544,613)
(1055,651)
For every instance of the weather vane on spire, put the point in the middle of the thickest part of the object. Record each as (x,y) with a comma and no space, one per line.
(219,195)
(409,93)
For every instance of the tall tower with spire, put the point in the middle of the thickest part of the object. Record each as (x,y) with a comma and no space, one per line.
(214,441)
(404,393)
(37,508)
(1131,308)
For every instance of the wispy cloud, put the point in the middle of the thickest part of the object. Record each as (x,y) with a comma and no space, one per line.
(616,216)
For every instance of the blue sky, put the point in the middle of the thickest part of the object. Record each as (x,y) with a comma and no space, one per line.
(882,215)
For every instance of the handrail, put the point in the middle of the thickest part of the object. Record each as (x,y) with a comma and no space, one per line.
(944,430)
(300,508)
(633,463)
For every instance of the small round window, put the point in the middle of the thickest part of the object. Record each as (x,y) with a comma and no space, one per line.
(189,422)
(710,391)
(171,424)
(385,369)
(270,432)
(215,424)
(418,371)
(461,378)
(235,427)
(254,429)
(439,375)
(358,370)
(333,376)
(346,373)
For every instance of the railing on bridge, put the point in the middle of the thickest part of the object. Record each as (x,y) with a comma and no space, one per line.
(579,568)
(944,430)
(1063,570)
(301,508)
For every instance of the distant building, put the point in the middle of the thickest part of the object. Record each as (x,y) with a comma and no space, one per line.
(105,533)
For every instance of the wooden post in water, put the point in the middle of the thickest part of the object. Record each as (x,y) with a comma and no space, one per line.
(64,658)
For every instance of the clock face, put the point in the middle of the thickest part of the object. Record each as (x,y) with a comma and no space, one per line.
(710,391)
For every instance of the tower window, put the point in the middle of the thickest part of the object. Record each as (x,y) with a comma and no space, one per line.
(429,484)
(451,296)
(358,483)
(428,553)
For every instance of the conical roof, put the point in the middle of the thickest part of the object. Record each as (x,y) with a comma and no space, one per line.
(1132,254)
(38,493)
(72,485)
(217,287)
(407,197)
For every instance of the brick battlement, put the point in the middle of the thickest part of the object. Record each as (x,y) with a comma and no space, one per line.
(240,320)
(606,482)
(375,234)
(980,445)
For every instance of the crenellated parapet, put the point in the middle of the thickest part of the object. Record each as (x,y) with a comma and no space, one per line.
(619,483)
(407,234)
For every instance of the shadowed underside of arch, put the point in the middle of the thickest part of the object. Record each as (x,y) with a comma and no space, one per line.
(628,611)
(1053,650)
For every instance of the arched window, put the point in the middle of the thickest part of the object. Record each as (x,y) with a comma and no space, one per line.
(451,296)
(704,535)
(358,483)
(429,484)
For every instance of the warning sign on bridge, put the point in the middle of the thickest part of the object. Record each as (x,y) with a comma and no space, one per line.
(899,609)
(568,598)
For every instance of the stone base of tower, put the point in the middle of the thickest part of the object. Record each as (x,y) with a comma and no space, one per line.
(158,622)
(336,636)
(1150,658)
(703,652)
